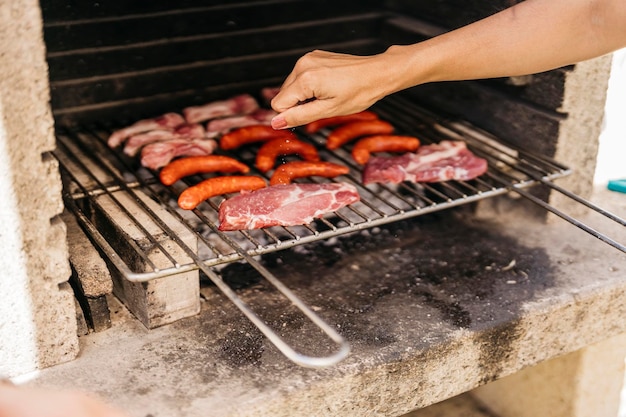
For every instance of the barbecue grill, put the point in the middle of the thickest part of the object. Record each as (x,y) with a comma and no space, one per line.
(113,63)
(97,172)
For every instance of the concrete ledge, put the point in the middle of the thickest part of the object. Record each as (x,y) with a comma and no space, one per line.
(91,279)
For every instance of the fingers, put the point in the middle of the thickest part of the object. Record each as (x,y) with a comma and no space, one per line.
(302,114)
(324,84)
(299,87)
(296,103)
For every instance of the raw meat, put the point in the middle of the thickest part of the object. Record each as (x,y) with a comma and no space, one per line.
(284,205)
(447,160)
(241,104)
(159,154)
(218,127)
(168,121)
(184,131)
(268,93)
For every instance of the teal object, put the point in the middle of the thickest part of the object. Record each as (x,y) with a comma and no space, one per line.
(617,185)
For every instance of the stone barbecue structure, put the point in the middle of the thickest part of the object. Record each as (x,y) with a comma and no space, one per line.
(490,298)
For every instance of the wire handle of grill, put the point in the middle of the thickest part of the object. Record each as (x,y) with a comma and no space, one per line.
(298,358)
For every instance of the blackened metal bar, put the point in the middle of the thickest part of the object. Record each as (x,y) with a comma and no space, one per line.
(585,202)
(517,188)
(571,220)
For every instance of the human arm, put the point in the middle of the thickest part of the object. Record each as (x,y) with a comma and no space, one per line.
(37,402)
(530,37)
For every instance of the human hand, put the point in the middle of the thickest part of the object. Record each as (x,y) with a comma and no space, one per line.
(36,402)
(324,84)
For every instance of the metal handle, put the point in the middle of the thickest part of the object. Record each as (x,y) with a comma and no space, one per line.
(300,359)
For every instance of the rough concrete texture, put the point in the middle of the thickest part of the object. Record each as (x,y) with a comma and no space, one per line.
(432,308)
(91,279)
(37,308)
(463,405)
(577,144)
(91,269)
(585,383)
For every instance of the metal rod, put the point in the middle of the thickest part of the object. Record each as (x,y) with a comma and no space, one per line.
(571,220)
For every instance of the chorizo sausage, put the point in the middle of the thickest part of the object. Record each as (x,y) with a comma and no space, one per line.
(269,151)
(192,165)
(249,134)
(340,120)
(383,143)
(194,195)
(286,173)
(345,133)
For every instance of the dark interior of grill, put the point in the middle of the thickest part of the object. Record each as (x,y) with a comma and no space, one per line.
(121,61)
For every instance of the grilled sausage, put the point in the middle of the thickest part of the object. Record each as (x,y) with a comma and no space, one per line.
(269,151)
(345,133)
(191,165)
(383,143)
(249,134)
(340,120)
(192,196)
(286,173)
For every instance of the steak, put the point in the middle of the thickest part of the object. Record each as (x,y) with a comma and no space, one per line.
(284,205)
(447,160)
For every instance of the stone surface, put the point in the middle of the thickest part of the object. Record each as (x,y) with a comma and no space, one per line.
(91,279)
(432,308)
(90,268)
(585,383)
(463,405)
(578,137)
(38,316)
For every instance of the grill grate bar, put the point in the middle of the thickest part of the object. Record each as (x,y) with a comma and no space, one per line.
(593,232)
(119,204)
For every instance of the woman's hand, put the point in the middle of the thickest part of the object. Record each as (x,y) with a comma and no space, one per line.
(324,84)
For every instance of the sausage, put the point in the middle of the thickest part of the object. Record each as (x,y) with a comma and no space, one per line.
(194,195)
(350,131)
(285,173)
(269,151)
(383,143)
(191,165)
(254,133)
(340,120)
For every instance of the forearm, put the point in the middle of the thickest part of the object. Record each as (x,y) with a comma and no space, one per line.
(531,37)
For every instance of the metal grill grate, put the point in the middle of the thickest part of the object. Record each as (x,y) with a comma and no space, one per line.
(102,182)
(135,220)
